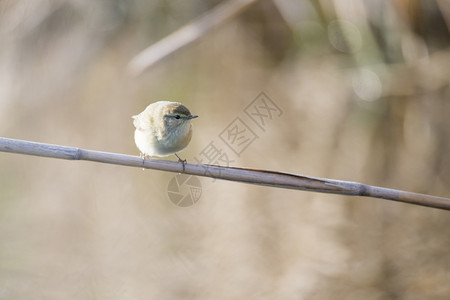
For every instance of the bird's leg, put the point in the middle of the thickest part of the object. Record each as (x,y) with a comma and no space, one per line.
(183,161)
(143,156)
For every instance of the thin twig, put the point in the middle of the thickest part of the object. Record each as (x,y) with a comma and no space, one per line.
(187,34)
(260,177)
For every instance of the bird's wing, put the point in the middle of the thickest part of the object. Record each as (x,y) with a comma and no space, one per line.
(142,121)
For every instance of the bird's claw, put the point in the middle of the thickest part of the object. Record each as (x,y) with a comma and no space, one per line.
(143,156)
(183,161)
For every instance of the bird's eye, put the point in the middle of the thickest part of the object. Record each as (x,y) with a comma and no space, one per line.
(177,117)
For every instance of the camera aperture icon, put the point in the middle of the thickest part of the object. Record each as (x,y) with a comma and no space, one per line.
(184,190)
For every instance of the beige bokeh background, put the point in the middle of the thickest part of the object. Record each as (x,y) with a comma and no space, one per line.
(364,89)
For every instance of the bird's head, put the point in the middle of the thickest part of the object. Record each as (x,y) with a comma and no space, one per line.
(176,114)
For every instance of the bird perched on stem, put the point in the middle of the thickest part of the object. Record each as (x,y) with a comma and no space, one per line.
(162,129)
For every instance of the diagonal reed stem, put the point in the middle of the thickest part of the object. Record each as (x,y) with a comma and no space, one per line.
(187,34)
(251,176)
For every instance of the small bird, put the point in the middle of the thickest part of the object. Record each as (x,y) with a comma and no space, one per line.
(163,128)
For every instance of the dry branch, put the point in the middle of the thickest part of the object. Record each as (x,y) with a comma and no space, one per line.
(260,177)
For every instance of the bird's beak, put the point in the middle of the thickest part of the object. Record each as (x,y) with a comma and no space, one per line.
(192,116)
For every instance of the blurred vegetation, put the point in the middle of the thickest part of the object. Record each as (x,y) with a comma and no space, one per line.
(364,90)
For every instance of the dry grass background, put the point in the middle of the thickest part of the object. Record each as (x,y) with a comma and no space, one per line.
(364,89)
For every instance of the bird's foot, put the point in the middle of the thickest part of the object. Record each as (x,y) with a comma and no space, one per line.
(143,156)
(183,161)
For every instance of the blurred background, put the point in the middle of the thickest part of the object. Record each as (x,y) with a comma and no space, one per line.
(363,94)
